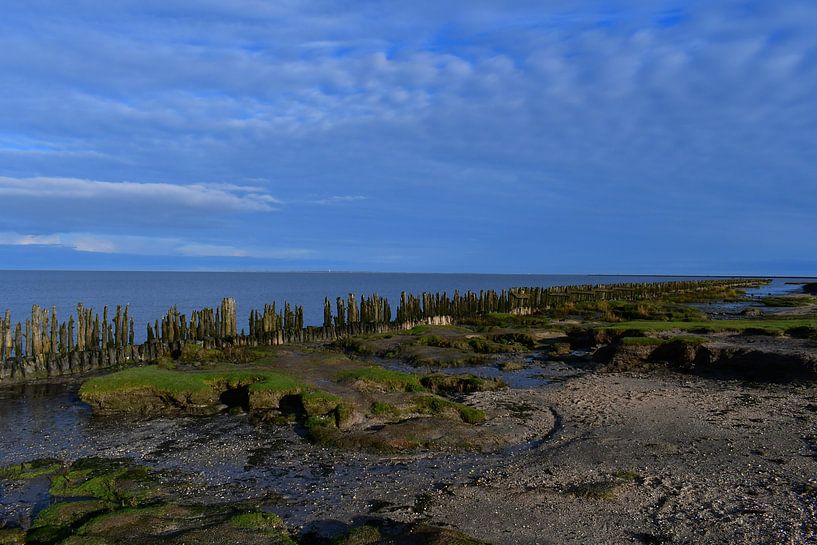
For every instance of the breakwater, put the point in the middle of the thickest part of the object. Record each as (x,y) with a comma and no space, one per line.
(42,347)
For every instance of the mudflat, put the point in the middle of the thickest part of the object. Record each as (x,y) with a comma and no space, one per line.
(656,423)
(640,458)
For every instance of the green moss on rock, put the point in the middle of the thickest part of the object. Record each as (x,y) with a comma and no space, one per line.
(382,379)
(362,535)
(257,521)
(31,470)
(12,536)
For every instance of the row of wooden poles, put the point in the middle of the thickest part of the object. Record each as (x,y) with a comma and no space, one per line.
(42,336)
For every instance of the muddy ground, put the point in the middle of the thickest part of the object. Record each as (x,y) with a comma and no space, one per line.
(627,458)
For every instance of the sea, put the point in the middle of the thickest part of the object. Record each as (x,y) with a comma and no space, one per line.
(151,294)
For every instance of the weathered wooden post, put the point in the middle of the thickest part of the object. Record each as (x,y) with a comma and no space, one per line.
(71,344)
(340,320)
(3,327)
(327,313)
(80,328)
(18,341)
(29,339)
(54,330)
(126,326)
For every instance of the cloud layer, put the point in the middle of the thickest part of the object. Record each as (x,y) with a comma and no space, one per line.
(619,136)
(223,198)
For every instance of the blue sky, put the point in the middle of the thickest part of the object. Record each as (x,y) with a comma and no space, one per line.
(674,137)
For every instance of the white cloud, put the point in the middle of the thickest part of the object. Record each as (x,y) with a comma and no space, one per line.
(147,246)
(195,196)
(339,199)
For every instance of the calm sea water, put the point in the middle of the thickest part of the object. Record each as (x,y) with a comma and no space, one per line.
(150,294)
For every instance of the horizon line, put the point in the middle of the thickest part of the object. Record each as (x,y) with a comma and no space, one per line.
(471,273)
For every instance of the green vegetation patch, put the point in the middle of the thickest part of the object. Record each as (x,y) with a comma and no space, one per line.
(687,339)
(789,301)
(459,384)
(148,389)
(383,379)
(443,342)
(515,338)
(641,341)
(382,408)
(435,405)
(319,403)
(626,475)
(605,489)
(362,535)
(424,329)
(148,378)
(353,345)
(31,470)
(485,346)
(599,490)
(713,326)
(113,482)
(505,320)
(195,354)
(67,513)
(12,536)
(511,366)
(656,341)
(257,521)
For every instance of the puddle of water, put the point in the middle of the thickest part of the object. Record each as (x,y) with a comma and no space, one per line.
(527,377)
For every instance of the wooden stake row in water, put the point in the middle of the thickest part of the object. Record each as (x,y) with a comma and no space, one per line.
(42,336)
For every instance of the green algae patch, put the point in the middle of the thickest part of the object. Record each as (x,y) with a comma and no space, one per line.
(56,522)
(267,393)
(693,340)
(600,490)
(438,341)
(257,521)
(12,536)
(712,326)
(641,341)
(67,513)
(113,481)
(511,366)
(377,378)
(319,403)
(362,535)
(96,522)
(459,384)
(151,390)
(425,329)
(172,523)
(86,540)
(382,408)
(789,301)
(435,405)
(31,470)
(147,390)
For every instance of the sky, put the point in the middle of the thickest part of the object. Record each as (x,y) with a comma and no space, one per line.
(666,137)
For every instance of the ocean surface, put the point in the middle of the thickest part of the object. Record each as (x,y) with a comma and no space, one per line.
(151,294)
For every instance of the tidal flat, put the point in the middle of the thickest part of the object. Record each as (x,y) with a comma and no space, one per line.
(659,421)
